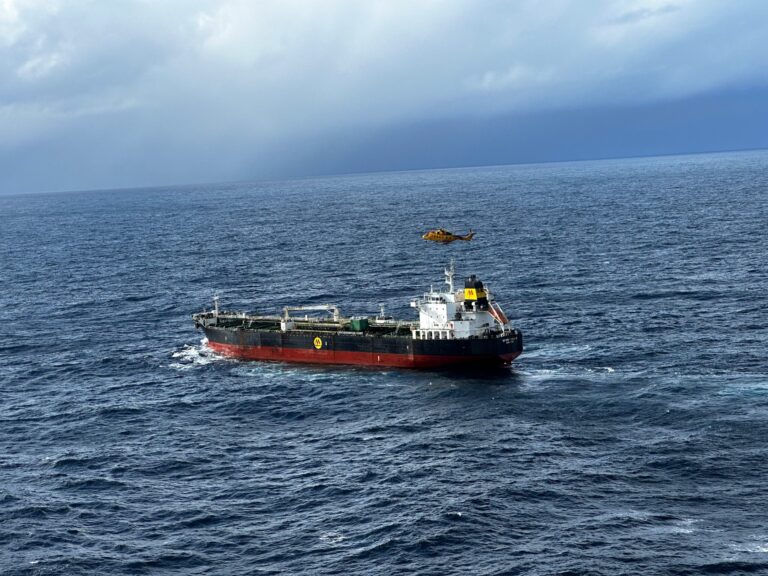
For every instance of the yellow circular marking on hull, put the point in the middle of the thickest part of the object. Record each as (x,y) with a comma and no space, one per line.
(318,342)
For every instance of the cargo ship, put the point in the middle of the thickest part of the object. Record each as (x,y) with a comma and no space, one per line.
(455,327)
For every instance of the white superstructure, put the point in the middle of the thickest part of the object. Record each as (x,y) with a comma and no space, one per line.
(459,314)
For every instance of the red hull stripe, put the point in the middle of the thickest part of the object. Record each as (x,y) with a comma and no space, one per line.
(360,358)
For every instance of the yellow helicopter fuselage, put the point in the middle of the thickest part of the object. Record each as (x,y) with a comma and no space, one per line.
(445,237)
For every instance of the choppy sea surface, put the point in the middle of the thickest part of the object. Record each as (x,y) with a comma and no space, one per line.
(629,438)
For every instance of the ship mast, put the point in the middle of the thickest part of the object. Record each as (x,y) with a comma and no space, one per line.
(449,272)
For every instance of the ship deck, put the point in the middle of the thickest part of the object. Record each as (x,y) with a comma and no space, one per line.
(236,320)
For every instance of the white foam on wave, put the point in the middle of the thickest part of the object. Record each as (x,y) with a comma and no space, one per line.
(665,526)
(265,371)
(191,356)
(373,437)
(559,351)
(752,384)
(268,371)
(331,537)
(683,526)
(542,374)
(755,547)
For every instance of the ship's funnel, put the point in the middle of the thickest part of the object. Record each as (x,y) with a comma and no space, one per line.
(475,292)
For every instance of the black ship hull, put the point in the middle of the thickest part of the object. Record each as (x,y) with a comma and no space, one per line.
(362,349)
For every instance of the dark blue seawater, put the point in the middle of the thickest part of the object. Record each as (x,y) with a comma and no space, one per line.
(629,438)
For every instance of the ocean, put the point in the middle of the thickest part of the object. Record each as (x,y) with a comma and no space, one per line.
(629,437)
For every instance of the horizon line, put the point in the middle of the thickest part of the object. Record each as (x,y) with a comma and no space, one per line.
(373,172)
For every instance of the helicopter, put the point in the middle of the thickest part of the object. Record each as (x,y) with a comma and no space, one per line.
(443,236)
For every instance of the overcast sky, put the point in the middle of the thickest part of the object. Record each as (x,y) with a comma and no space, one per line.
(120,93)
